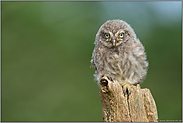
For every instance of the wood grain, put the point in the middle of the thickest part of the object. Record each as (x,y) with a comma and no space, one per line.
(139,106)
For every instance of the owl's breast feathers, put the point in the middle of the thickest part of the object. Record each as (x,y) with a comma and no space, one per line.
(106,61)
(128,63)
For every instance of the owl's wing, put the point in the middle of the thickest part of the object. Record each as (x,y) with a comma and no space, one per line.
(92,63)
(94,57)
(139,54)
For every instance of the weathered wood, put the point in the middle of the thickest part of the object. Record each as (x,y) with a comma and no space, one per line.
(139,106)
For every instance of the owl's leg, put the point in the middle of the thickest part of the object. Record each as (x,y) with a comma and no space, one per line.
(126,88)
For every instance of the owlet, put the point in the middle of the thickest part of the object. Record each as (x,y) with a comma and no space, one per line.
(119,55)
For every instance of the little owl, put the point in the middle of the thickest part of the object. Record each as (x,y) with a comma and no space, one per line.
(119,55)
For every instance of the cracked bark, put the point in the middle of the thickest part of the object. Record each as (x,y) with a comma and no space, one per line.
(139,106)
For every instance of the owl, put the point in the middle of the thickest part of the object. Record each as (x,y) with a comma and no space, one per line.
(119,55)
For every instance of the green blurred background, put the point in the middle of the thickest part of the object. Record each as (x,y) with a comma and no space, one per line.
(46,52)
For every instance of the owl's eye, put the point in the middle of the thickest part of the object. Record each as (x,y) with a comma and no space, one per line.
(121,35)
(106,35)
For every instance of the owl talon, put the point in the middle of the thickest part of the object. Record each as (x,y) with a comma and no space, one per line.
(109,78)
(127,89)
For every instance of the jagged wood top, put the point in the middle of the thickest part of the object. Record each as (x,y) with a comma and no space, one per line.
(139,106)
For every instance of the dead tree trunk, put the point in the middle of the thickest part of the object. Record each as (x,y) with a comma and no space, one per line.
(139,106)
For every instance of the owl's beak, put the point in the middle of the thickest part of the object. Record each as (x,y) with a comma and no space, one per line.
(113,41)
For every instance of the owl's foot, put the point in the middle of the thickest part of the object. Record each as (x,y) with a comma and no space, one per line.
(127,89)
(110,78)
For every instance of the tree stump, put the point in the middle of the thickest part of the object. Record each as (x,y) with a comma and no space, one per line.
(139,106)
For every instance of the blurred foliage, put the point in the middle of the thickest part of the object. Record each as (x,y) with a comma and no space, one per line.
(46,51)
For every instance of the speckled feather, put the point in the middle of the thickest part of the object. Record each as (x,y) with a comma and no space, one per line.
(125,62)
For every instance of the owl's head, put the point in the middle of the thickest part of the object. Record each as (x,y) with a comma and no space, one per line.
(114,33)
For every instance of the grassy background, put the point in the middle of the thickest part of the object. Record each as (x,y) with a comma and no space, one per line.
(46,49)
